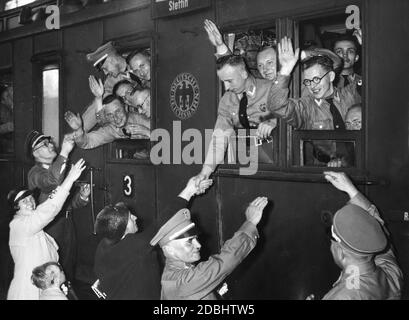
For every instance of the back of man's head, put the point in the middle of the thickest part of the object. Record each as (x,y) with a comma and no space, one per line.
(111,222)
(322,60)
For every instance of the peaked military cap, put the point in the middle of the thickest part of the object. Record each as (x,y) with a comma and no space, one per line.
(99,56)
(32,140)
(178,227)
(358,230)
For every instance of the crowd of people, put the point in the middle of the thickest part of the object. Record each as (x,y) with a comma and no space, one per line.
(42,232)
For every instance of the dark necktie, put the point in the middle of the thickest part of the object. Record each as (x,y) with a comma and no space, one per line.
(336,116)
(346,80)
(243,112)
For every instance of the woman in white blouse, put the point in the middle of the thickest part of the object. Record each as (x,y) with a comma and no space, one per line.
(30,246)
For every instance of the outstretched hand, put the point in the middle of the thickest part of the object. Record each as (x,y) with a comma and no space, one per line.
(358,34)
(96,86)
(341,181)
(286,56)
(67,145)
(76,170)
(213,33)
(254,211)
(73,120)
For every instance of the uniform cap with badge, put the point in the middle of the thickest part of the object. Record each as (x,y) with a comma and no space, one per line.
(33,139)
(99,56)
(360,232)
(179,226)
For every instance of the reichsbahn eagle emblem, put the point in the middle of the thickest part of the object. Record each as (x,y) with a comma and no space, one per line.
(184,95)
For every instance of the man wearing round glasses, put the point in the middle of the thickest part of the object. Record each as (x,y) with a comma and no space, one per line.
(138,98)
(47,173)
(325,107)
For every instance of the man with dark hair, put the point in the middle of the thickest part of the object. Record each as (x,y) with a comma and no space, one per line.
(347,48)
(136,97)
(47,173)
(49,277)
(125,266)
(120,125)
(360,248)
(325,107)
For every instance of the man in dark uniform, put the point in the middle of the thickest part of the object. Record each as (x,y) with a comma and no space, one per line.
(359,246)
(48,173)
(182,279)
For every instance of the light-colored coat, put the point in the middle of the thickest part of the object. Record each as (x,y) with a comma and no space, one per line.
(30,246)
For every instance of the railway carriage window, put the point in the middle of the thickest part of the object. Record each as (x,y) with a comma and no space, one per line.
(258,48)
(331,92)
(135,93)
(50,101)
(6,114)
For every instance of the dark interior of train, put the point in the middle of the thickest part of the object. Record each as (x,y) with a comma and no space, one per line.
(232,150)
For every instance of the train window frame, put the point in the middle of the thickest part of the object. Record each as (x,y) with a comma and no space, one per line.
(40,62)
(294,136)
(7,72)
(129,44)
(234,168)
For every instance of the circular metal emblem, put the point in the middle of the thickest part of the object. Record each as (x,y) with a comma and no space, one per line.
(184,95)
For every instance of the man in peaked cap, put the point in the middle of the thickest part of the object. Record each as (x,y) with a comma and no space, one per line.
(181,278)
(359,246)
(48,173)
(111,63)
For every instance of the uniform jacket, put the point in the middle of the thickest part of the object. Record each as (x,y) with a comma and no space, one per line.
(308,113)
(182,281)
(30,246)
(228,117)
(380,282)
(128,269)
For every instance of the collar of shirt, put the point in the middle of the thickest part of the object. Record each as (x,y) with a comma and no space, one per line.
(250,88)
(178,264)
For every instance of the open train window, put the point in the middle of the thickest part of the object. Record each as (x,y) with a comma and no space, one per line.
(6,114)
(257,45)
(331,90)
(135,93)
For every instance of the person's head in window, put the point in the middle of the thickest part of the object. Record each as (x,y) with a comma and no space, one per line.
(134,95)
(114,222)
(108,60)
(48,275)
(353,118)
(114,111)
(232,71)
(267,63)
(139,62)
(6,95)
(318,76)
(346,47)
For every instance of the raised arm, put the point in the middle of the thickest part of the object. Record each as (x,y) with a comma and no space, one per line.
(55,174)
(216,38)
(47,211)
(198,282)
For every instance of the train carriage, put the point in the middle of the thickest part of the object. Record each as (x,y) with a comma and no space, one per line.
(48,71)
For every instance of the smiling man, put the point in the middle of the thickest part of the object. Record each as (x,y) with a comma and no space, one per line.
(183,277)
(324,107)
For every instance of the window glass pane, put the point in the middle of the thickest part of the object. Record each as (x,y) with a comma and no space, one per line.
(12,4)
(6,114)
(50,114)
(327,153)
